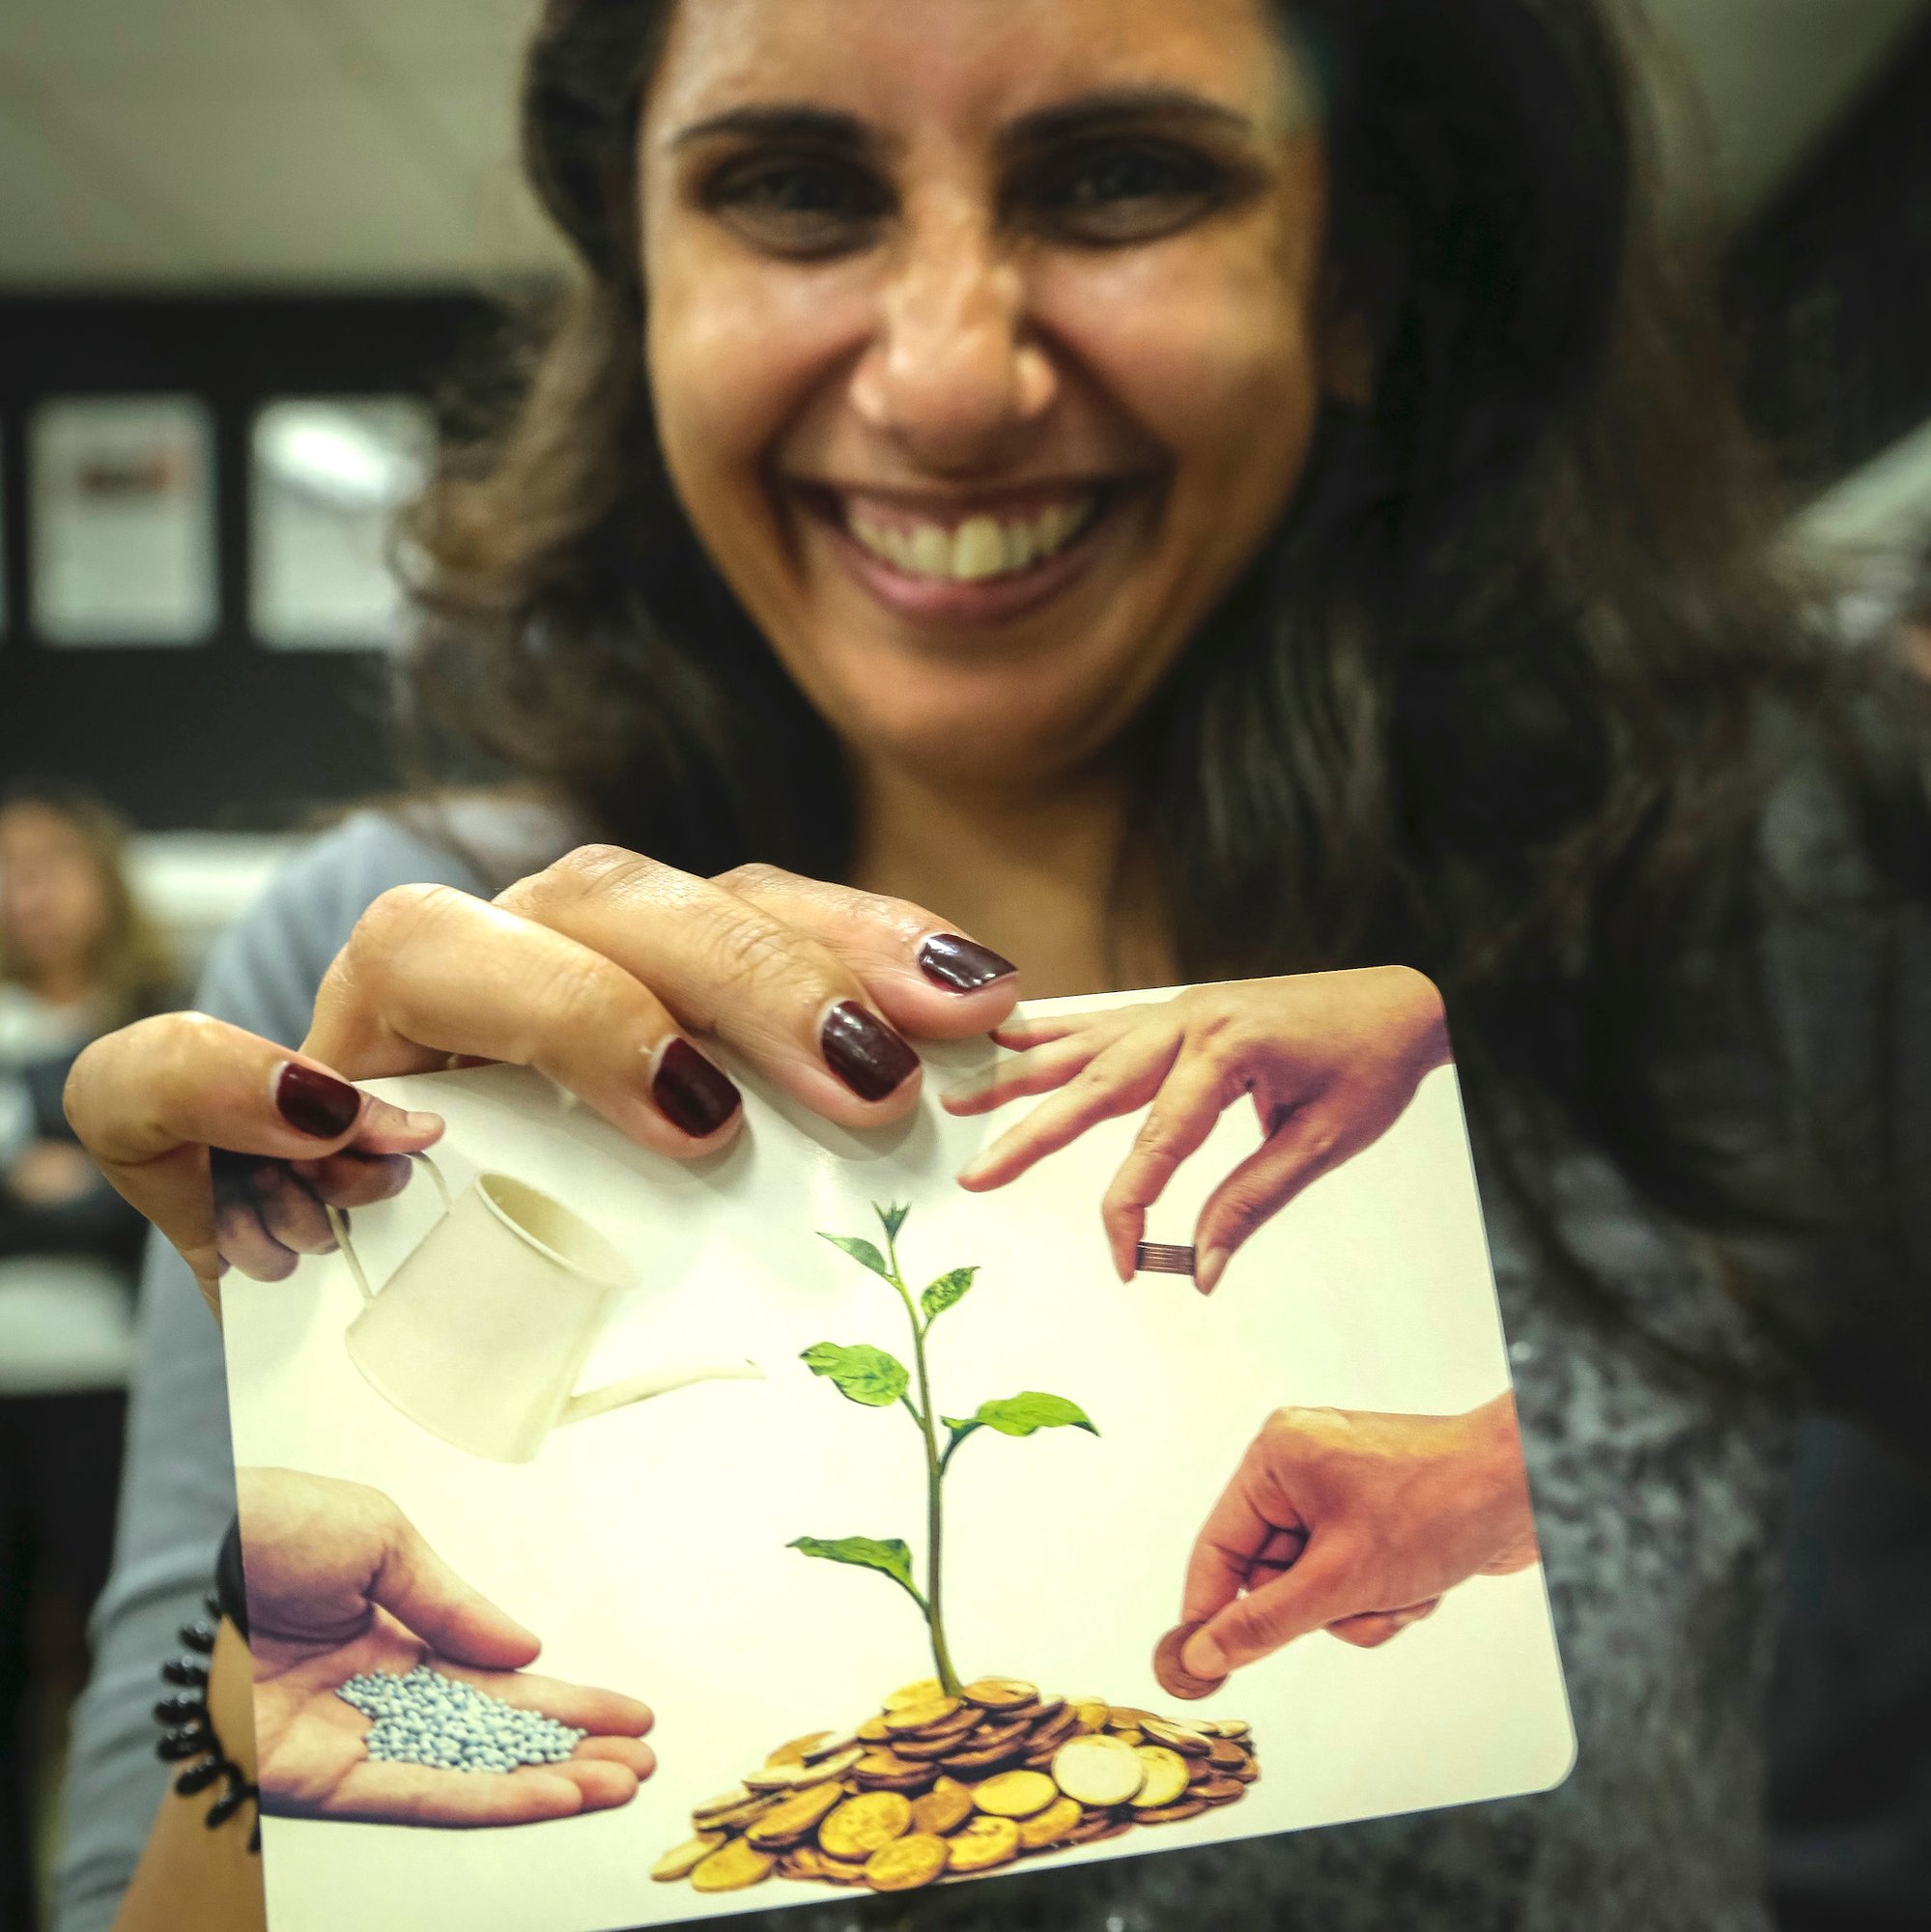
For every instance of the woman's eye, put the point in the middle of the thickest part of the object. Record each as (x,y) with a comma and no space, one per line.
(1129,193)
(802,207)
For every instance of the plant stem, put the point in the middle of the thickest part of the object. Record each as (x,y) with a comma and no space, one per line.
(949,1678)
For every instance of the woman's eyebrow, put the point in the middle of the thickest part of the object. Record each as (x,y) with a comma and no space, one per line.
(782,120)
(1108,109)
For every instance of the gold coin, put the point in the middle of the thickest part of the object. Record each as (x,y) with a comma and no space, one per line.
(1016,1794)
(788,1820)
(734,1867)
(1176,1678)
(1224,1755)
(1098,1771)
(1218,1790)
(1132,1735)
(915,1718)
(798,1749)
(882,1764)
(906,1863)
(872,1731)
(725,1801)
(1053,1731)
(942,1809)
(830,1743)
(1000,1693)
(687,1857)
(1090,1832)
(1092,1712)
(936,1744)
(737,1817)
(984,1843)
(775,1776)
(927,1691)
(1236,1729)
(822,1769)
(1126,1716)
(1048,1826)
(860,1824)
(1182,1738)
(1166,1777)
(1171,1814)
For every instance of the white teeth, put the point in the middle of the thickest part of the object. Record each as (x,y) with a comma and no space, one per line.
(929,552)
(979,548)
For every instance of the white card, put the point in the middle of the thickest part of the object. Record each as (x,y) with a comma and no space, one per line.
(649,1545)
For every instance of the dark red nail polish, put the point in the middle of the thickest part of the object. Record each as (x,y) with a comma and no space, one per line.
(865,1053)
(695,1097)
(961,965)
(316,1104)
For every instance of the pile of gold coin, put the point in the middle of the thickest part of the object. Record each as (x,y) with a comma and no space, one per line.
(937,1788)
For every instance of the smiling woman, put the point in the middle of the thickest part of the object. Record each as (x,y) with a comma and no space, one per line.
(1155,489)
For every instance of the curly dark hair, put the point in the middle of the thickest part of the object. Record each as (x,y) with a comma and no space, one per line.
(1495,699)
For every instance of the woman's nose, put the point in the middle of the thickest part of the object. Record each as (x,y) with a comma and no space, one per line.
(954,373)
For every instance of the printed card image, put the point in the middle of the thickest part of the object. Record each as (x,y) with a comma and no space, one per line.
(1111,1459)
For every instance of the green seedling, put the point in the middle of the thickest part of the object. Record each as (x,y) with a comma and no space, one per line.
(876,1380)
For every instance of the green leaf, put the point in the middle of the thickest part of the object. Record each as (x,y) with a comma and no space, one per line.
(946,1291)
(890,1557)
(1022,1414)
(861,1372)
(892,1218)
(861,1251)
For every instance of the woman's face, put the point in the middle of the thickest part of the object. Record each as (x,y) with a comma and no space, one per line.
(53,905)
(985,345)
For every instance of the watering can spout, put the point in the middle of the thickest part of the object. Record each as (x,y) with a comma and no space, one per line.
(640,1388)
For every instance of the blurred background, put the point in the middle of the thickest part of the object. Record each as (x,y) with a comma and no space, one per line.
(242,244)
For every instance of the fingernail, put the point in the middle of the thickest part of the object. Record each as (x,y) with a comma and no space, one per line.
(1208,1270)
(961,965)
(1204,1657)
(693,1095)
(422,1124)
(865,1053)
(316,1104)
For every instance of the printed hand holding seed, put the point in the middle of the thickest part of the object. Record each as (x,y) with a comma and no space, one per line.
(1330,1059)
(341,1587)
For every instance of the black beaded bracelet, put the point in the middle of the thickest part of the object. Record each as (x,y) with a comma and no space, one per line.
(188,1736)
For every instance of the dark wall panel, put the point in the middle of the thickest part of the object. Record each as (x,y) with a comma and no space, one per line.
(224,734)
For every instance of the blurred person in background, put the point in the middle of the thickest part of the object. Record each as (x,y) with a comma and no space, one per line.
(1147,490)
(77,959)
(1915,620)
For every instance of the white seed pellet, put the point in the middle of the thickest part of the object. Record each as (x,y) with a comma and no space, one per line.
(426,1717)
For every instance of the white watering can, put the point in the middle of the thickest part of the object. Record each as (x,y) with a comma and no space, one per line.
(482,1330)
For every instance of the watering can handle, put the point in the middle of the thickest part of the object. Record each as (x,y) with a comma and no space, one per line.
(338,1221)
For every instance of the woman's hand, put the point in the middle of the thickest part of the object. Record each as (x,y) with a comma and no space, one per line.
(604,971)
(1356,1525)
(1330,1059)
(340,1583)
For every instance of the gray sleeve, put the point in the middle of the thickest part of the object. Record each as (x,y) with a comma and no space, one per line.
(179,1490)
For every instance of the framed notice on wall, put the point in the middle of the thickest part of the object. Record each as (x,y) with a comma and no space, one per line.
(122,512)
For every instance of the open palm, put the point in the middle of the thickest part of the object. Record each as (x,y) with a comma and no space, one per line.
(340,1584)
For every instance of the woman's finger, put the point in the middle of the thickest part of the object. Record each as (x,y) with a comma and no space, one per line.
(1107,1026)
(1121,1080)
(1185,1112)
(150,1100)
(1045,1070)
(430,972)
(927,978)
(238,1240)
(727,967)
(292,1215)
(351,1179)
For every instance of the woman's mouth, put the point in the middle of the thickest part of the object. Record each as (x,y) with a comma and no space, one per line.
(982,560)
